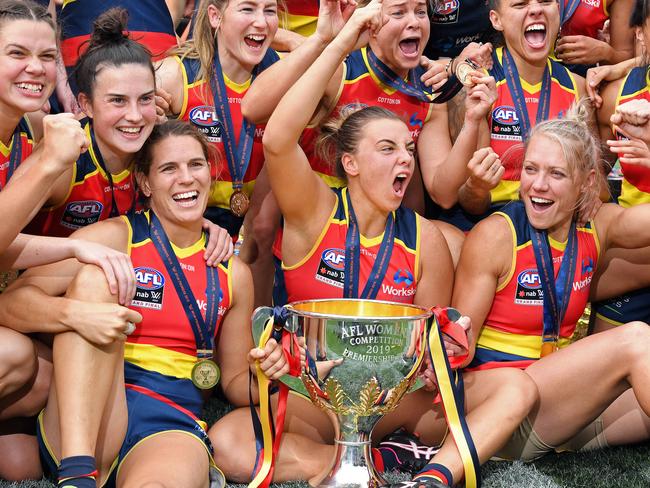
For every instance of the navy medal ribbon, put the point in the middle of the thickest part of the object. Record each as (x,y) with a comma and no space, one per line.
(115,210)
(16,156)
(237,155)
(567,9)
(557,291)
(517,92)
(352,257)
(204,329)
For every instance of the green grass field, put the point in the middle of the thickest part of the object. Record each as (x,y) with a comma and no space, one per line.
(627,467)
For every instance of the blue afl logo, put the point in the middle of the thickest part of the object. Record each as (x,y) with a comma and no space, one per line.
(203,116)
(85,208)
(505,115)
(445,7)
(529,278)
(334,257)
(149,278)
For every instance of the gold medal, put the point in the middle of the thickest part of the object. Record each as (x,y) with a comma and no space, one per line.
(205,374)
(548,348)
(239,203)
(6,278)
(464,72)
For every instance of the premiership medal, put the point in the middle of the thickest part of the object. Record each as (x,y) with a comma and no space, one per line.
(464,71)
(205,374)
(239,203)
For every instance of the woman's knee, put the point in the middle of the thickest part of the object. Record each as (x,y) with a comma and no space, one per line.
(518,392)
(18,362)
(634,341)
(234,446)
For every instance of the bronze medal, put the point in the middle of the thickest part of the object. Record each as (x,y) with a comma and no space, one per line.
(464,72)
(239,203)
(205,374)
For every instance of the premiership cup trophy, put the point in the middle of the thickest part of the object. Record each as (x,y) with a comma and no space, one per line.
(362,357)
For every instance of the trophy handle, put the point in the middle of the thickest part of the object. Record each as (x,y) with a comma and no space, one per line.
(261,315)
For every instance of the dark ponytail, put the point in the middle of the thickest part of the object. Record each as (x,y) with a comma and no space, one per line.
(109,45)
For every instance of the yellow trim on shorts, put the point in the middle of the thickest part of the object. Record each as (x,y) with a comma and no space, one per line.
(210,458)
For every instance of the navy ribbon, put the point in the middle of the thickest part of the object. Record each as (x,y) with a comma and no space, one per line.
(414,87)
(352,257)
(203,329)
(115,210)
(517,92)
(237,155)
(557,292)
(16,155)
(567,9)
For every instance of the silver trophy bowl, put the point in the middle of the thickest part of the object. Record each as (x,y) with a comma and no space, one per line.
(377,348)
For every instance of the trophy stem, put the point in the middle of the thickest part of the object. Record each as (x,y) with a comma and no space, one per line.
(352,463)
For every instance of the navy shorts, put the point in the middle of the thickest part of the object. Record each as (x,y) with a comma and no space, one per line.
(626,308)
(148,416)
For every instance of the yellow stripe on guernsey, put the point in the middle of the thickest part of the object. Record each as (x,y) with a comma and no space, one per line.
(305,25)
(528,346)
(160,360)
(6,150)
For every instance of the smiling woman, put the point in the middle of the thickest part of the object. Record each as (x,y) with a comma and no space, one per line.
(116,82)
(526,299)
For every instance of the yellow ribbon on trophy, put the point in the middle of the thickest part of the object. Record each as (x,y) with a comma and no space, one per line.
(452,395)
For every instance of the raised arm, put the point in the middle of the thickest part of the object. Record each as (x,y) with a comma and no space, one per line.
(31,185)
(270,86)
(444,167)
(302,197)
(477,276)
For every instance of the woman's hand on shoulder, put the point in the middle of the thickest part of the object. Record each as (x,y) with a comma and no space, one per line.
(219,247)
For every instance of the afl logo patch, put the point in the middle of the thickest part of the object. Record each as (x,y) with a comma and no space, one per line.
(505,115)
(445,7)
(529,288)
(205,119)
(331,269)
(334,258)
(150,288)
(82,213)
(445,12)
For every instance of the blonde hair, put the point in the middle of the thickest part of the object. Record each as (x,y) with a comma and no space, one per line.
(203,44)
(580,148)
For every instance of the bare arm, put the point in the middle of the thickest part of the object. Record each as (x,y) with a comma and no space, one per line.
(477,278)
(444,167)
(169,77)
(621,43)
(436,268)
(235,338)
(603,115)
(33,303)
(270,86)
(627,228)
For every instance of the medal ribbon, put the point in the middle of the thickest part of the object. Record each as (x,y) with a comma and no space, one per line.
(238,156)
(567,9)
(557,291)
(115,210)
(414,87)
(16,155)
(517,92)
(352,257)
(451,390)
(203,329)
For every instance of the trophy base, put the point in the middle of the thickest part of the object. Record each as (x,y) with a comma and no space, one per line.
(352,468)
